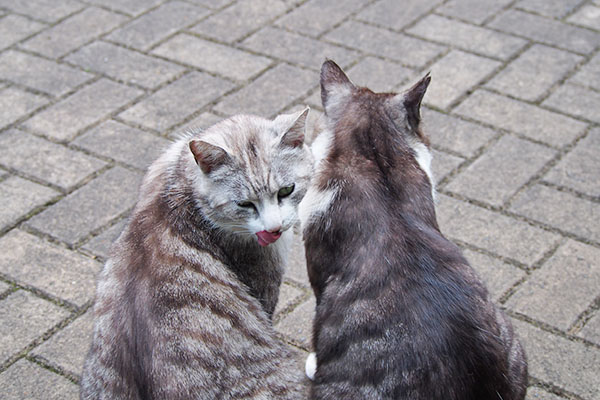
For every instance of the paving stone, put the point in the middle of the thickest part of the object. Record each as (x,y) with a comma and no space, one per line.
(26,380)
(45,160)
(577,101)
(443,163)
(248,16)
(475,11)
(560,210)
(213,57)
(149,29)
(388,12)
(177,101)
(514,162)
(90,207)
(568,365)
(14,28)
(45,10)
(20,197)
(534,393)
(15,103)
(588,16)
(201,122)
(296,48)
(4,288)
(122,143)
(101,244)
(62,273)
(454,82)
(317,16)
(449,132)
(522,118)
(547,31)
(73,32)
(534,72)
(555,9)
(132,7)
(215,4)
(296,264)
(591,330)
(63,120)
(314,100)
(67,348)
(580,168)
(493,232)
(25,318)
(588,74)
(371,40)
(378,75)
(498,276)
(297,325)
(271,92)
(125,65)
(471,38)
(40,74)
(288,295)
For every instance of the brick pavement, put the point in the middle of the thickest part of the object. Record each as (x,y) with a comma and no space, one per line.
(92,90)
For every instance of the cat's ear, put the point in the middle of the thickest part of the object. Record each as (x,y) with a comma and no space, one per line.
(335,86)
(293,126)
(208,156)
(411,101)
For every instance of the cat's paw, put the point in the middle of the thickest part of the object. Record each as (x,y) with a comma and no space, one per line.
(311,366)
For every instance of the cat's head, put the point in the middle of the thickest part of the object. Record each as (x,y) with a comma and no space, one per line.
(253,173)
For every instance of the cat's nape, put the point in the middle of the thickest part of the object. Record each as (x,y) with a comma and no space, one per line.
(183,305)
(400,314)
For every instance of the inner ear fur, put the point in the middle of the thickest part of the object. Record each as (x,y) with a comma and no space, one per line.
(295,134)
(412,99)
(208,156)
(334,84)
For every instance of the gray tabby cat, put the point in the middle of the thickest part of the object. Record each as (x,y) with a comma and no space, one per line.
(183,306)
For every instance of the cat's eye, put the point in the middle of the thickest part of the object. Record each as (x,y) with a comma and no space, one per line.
(245,204)
(285,191)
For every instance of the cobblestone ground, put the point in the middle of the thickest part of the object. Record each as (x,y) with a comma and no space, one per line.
(91,91)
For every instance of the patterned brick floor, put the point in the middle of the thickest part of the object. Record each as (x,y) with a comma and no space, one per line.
(92,90)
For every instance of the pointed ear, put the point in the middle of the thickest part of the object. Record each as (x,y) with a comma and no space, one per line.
(294,137)
(335,85)
(411,100)
(208,156)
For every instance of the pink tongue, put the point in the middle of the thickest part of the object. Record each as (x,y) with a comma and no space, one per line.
(266,238)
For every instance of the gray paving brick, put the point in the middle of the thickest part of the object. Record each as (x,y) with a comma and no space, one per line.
(202,121)
(297,325)
(522,118)
(177,101)
(248,16)
(19,197)
(100,245)
(15,103)
(40,74)
(391,14)
(73,32)
(49,11)
(378,75)
(514,162)
(498,276)
(534,72)
(296,264)
(475,11)
(14,28)
(468,37)
(288,295)
(215,4)
(454,82)
(317,16)
(562,288)
(63,120)
(554,9)
(25,318)
(535,393)
(449,132)
(132,7)
(587,16)
(122,143)
(494,232)
(371,40)
(45,160)
(213,57)
(296,48)
(4,288)
(90,207)
(591,330)
(547,31)
(443,164)
(125,65)
(568,365)
(67,348)
(26,380)
(588,74)
(577,101)
(580,168)
(560,210)
(147,30)
(271,92)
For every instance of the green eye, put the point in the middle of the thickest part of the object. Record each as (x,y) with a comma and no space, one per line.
(285,191)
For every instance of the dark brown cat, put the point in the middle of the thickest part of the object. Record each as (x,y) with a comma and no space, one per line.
(400,313)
